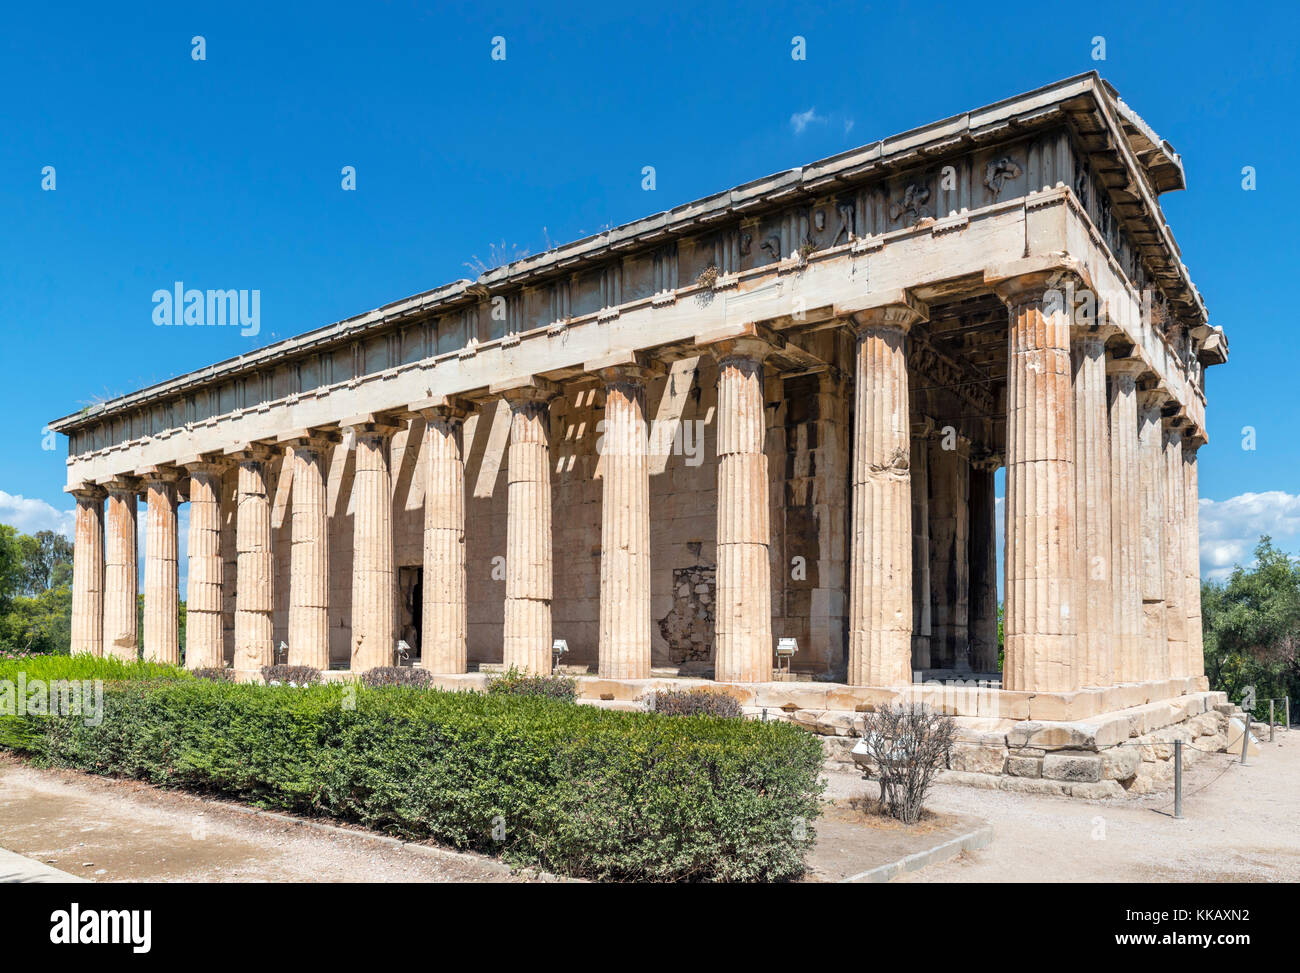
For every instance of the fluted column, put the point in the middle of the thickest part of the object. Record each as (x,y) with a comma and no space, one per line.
(949,476)
(919,468)
(204,648)
(1039,623)
(743,647)
(121,571)
(88,572)
(161,570)
(374,577)
(1192,556)
(880,568)
(1154,662)
(1094,573)
(625,527)
(527,631)
(1125,522)
(445,625)
(309,554)
(983,563)
(1174,549)
(254,562)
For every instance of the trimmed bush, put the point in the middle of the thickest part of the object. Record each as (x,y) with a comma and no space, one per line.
(551,686)
(407,676)
(291,675)
(217,675)
(580,790)
(694,702)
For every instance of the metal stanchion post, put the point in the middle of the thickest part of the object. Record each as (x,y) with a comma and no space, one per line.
(1178,778)
(1271,717)
(1245,733)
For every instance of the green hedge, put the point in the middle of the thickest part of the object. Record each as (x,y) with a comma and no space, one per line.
(578,790)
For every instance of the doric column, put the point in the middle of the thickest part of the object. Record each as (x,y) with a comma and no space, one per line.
(445,625)
(949,476)
(88,571)
(121,571)
(919,467)
(374,577)
(1093,603)
(625,526)
(1192,555)
(527,631)
(880,567)
(309,553)
(1125,522)
(1154,662)
(254,562)
(983,563)
(1039,623)
(1174,548)
(204,647)
(743,623)
(161,570)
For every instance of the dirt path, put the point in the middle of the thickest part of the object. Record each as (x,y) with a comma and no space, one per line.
(1239,824)
(123,831)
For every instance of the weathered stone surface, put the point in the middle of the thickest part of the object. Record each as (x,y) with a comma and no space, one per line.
(977,759)
(1023,766)
(1072,766)
(1120,763)
(1097,790)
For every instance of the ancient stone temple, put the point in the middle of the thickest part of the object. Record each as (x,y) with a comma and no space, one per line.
(776,412)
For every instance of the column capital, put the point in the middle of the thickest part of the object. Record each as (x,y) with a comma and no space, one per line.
(625,366)
(319,437)
(86,491)
(443,407)
(527,388)
(750,340)
(205,463)
(374,423)
(256,452)
(983,458)
(162,473)
(1028,279)
(1194,439)
(1130,365)
(122,483)
(897,308)
(923,428)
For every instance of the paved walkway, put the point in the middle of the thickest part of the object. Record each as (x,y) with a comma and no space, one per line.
(104,830)
(1239,825)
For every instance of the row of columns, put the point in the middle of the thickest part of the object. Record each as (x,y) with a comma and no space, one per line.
(1098,485)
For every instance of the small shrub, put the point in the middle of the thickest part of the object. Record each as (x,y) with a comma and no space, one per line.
(217,675)
(408,676)
(548,686)
(708,277)
(907,745)
(694,702)
(291,675)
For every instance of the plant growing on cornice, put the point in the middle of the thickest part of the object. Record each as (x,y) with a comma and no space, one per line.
(497,257)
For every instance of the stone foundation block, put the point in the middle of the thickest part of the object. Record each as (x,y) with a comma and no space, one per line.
(1028,785)
(1025,766)
(1097,790)
(1120,763)
(979,760)
(1072,766)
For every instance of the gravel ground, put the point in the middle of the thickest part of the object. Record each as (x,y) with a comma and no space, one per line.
(125,831)
(1239,825)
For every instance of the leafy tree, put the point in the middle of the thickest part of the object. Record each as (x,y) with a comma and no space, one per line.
(1252,628)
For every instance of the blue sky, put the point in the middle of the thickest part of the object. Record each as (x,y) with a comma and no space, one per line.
(225,173)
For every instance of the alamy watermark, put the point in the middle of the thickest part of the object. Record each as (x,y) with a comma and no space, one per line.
(58,697)
(221,308)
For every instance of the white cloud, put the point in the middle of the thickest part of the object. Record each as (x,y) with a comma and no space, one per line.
(1231,528)
(801,120)
(30,515)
